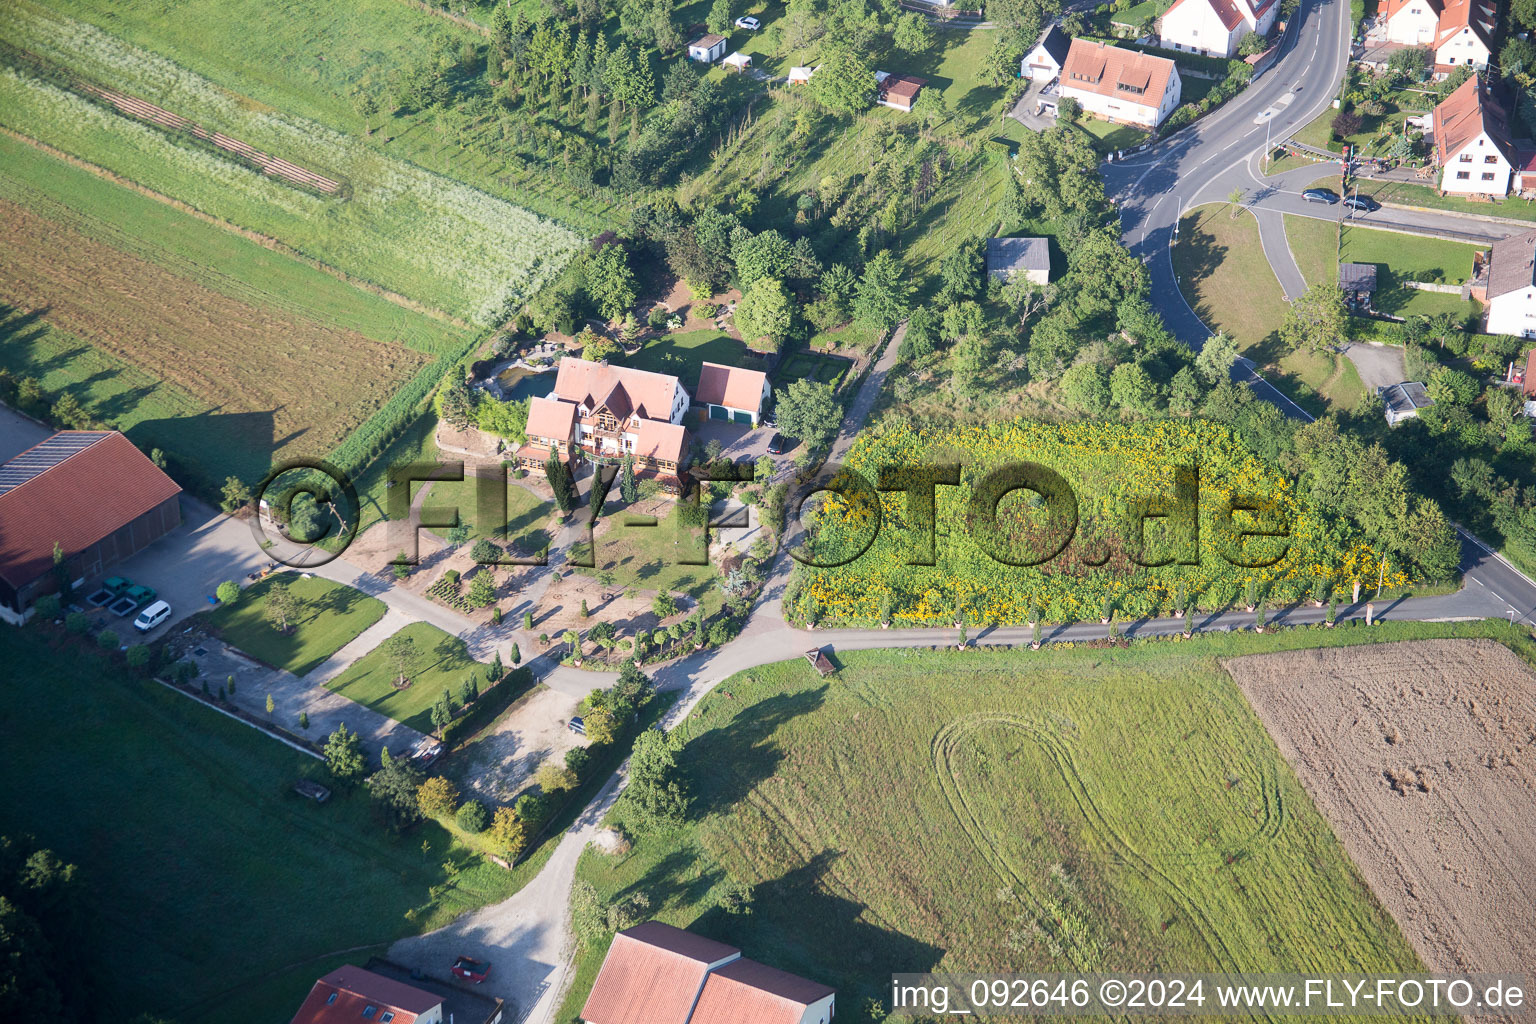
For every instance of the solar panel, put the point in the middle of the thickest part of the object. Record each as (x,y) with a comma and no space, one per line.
(40,458)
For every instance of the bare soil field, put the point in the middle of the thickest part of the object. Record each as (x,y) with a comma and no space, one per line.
(499,764)
(1423,757)
(296,384)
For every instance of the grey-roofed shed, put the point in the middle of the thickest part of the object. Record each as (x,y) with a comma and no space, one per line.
(1028,256)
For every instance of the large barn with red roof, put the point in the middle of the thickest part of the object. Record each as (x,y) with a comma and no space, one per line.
(92,493)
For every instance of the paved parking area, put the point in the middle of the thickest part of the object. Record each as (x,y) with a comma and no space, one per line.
(17,433)
(187,565)
(740,442)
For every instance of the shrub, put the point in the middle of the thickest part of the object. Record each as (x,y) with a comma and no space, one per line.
(532,809)
(107,640)
(137,656)
(485,552)
(48,606)
(228,592)
(577,759)
(436,796)
(657,317)
(472,817)
(77,622)
(452,577)
(1346,123)
(706,310)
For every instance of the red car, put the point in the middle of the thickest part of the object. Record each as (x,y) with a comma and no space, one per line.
(471,969)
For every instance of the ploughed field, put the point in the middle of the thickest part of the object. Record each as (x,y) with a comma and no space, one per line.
(1423,756)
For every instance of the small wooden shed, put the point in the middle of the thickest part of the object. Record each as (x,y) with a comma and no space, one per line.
(817,656)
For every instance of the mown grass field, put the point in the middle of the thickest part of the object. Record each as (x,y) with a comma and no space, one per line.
(648,558)
(1222,270)
(208,882)
(1086,809)
(1398,258)
(526,525)
(330,616)
(683,353)
(439,662)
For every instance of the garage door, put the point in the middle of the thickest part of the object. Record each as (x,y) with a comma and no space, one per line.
(719,412)
(743,417)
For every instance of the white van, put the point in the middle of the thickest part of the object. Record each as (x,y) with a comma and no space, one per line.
(152,616)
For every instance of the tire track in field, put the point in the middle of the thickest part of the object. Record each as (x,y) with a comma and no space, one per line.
(945,745)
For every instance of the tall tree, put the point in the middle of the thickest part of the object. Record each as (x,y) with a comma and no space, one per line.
(764,315)
(884,291)
(808,410)
(344,755)
(1316,321)
(400,653)
(843,82)
(281,607)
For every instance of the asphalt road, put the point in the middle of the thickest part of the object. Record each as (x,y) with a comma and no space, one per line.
(1206,162)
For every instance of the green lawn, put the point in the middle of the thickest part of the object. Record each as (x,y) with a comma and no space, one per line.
(1314,246)
(1222,270)
(439,662)
(310,61)
(681,354)
(330,616)
(1108,137)
(810,365)
(648,558)
(1326,377)
(850,336)
(1402,258)
(205,876)
(1080,810)
(527,516)
(1425,196)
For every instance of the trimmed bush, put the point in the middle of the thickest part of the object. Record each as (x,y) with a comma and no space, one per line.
(472,817)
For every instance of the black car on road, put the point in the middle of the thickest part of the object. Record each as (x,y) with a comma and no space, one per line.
(1320,195)
(1364,204)
(779,444)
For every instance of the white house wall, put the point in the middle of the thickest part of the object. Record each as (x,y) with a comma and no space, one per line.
(1414,25)
(1486,170)
(1513,313)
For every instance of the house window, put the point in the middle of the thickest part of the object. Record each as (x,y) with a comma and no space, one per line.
(1491,158)
(330,999)
(1488,176)
(1463,175)
(368,1012)
(386,1016)
(1466,158)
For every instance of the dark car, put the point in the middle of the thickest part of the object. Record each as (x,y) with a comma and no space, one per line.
(1320,195)
(779,444)
(1365,204)
(471,969)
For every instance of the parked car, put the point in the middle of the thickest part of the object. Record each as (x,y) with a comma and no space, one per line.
(1320,195)
(471,969)
(749,23)
(152,616)
(1365,204)
(426,752)
(778,444)
(577,726)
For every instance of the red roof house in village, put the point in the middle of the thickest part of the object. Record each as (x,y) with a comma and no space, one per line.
(657,974)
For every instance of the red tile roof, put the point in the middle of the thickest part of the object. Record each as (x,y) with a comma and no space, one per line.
(1226,10)
(657,440)
(1464,115)
(1094,67)
(346,992)
(75,502)
(589,383)
(747,992)
(652,975)
(735,386)
(549,418)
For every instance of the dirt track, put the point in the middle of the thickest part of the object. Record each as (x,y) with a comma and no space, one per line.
(1423,757)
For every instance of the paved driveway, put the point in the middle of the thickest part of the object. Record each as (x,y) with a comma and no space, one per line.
(740,443)
(1380,366)
(17,433)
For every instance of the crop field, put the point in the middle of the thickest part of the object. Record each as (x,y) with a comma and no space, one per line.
(1392,739)
(203,343)
(311,60)
(1090,809)
(403,228)
(180,272)
(207,883)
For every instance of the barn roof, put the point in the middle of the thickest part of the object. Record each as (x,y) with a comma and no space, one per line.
(72,489)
